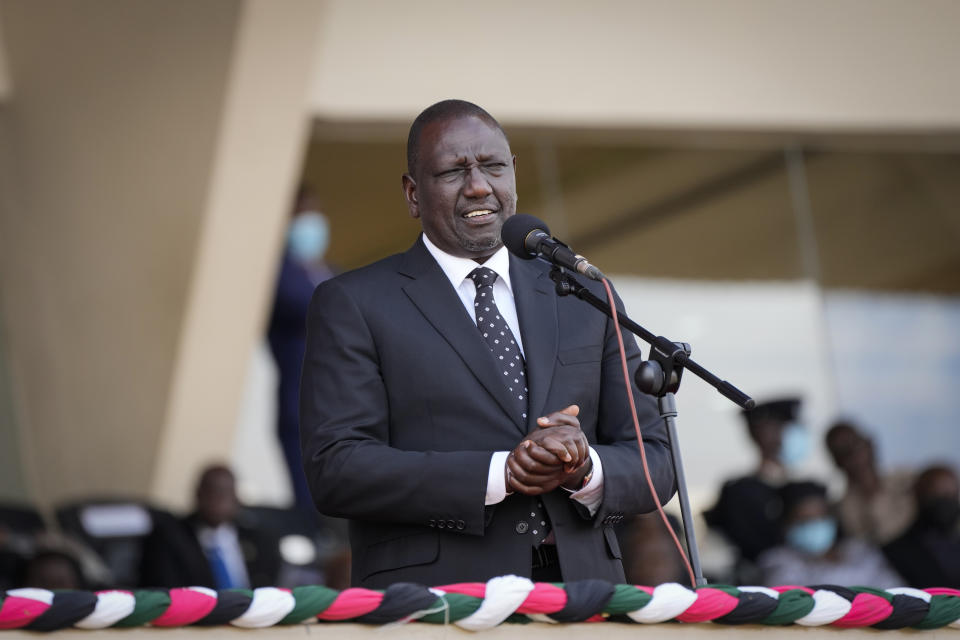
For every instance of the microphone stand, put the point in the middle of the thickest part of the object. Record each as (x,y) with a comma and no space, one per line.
(660,377)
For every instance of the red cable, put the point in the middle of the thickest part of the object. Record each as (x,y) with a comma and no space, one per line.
(636,426)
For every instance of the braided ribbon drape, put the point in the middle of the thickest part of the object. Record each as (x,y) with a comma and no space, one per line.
(477,606)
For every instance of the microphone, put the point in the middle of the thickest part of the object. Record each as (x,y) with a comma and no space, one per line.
(528,237)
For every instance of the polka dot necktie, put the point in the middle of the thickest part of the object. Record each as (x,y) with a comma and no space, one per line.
(500,339)
(506,353)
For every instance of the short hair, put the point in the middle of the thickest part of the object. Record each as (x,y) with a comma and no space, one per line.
(929,475)
(439,112)
(210,471)
(793,493)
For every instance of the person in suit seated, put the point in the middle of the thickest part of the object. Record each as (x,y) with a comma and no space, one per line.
(209,547)
(468,421)
(928,553)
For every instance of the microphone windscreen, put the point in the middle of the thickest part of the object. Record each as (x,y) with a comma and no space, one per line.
(515,231)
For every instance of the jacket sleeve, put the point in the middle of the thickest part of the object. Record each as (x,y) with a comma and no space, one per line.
(351,467)
(625,488)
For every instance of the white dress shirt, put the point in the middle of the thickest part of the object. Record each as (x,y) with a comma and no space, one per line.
(224,539)
(457,269)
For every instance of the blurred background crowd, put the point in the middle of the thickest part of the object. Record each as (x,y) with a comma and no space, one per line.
(772,182)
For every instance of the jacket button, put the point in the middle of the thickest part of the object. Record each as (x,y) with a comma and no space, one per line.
(441,524)
(521,527)
(461,524)
(451,524)
(432,523)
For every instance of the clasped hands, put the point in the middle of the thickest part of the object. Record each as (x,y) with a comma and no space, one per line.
(555,454)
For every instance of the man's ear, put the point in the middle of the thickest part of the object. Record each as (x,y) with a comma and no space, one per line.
(410,193)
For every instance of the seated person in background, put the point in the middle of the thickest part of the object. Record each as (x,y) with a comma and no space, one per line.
(12,560)
(748,508)
(209,547)
(875,507)
(53,569)
(650,557)
(928,554)
(813,551)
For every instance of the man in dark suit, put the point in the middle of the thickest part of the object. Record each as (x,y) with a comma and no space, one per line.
(428,382)
(209,547)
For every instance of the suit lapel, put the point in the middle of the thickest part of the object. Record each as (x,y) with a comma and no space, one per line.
(537,312)
(432,294)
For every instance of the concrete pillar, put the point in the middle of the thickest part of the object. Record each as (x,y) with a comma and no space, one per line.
(147,154)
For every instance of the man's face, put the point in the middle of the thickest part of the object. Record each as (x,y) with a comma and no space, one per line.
(464,188)
(217,498)
(768,436)
(851,452)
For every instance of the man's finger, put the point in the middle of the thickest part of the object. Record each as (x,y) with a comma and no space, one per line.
(566,416)
(532,472)
(531,484)
(532,457)
(527,490)
(565,450)
(543,456)
(531,465)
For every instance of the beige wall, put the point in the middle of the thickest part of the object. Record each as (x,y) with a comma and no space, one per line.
(143,202)
(4,72)
(742,64)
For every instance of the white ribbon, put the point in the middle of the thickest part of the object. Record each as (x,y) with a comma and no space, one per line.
(42,595)
(504,596)
(111,607)
(669,601)
(828,607)
(909,591)
(268,607)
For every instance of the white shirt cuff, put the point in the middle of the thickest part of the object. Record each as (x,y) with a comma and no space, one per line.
(496,484)
(591,495)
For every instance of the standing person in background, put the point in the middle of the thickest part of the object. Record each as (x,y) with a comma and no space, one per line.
(928,554)
(302,269)
(875,507)
(650,556)
(748,510)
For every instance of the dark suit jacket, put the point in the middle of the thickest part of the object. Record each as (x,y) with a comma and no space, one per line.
(402,406)
(172,555)
(926,557)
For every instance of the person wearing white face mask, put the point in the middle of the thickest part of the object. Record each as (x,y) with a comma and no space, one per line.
(302,269)
(814,551)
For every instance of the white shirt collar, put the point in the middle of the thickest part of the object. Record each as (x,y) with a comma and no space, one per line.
(225,534)
(457,269)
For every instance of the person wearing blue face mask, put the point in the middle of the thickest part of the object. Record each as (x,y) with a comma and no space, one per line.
(814,551)
(303,267)
(747,511)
